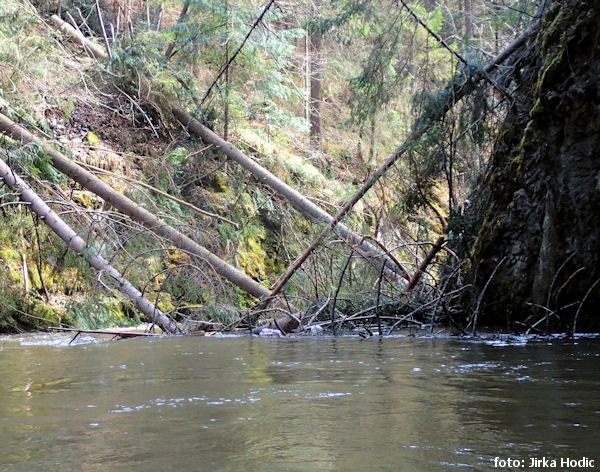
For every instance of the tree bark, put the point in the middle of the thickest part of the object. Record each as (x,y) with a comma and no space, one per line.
(437,246)
(468,23)
(307,78)
(77,244)
(135,212)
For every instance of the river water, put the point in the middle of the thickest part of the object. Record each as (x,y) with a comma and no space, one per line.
(298,404)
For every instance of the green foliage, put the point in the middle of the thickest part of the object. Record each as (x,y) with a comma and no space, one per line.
(34,159)
(100,312)
(136,58)
(26,55)
(19,311)
(389,66)
(221,313)
(346,12)
(11,320)
(436,20)
(381,71)
(177,156)
(227,232)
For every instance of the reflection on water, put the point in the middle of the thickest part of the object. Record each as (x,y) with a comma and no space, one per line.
(327,404)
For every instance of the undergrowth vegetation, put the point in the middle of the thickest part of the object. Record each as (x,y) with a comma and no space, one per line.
(374,75)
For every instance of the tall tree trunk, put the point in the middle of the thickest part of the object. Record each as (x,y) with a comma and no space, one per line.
(468,23)
(315,43)
(228,32)
(540,199)
(227,85)
(372,142)
(77,244)
(135,212)
(182,14)
(307,78)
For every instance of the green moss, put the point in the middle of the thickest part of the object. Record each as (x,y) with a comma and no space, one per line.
(87,199)
(247,205)
(489,229)
(553,24)
(554,63)
(34,277)
(220,183)
(561,26)
(69,280)
(253,259)
(47,276)
(47,314)
(537,108)
(11,259)
(8,254)
(526,134)
(303,225)
(164,302)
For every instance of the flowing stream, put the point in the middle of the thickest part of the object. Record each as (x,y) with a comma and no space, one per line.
(298,404)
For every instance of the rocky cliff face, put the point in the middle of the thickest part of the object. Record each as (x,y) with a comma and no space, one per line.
(540,203)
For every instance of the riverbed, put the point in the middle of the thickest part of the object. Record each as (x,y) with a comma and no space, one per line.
(298,404)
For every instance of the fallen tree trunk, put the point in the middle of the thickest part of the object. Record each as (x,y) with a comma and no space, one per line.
(90,47)
(284,325)
(116,333)
(135,212)
(449,96)
(437,246)
(77,244)
(297,200)
(307,208)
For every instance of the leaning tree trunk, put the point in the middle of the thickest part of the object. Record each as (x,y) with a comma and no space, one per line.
(135,212)
(90,47)
(296,199)
(541,201)
(77,244)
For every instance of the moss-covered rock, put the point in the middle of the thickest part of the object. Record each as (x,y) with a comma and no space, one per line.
(538,210)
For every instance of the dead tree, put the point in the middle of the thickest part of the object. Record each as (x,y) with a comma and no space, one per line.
(77,244)
(134,211)
(302,204)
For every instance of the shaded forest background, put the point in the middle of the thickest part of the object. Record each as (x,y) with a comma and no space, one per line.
(501,190)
